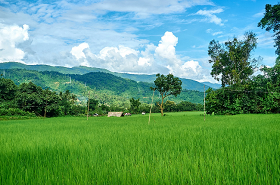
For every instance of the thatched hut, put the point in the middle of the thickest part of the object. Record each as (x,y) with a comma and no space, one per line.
(117,114)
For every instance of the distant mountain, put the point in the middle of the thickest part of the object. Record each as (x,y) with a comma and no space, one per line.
(212,85)
(64,70)
(105,87)
(186,83)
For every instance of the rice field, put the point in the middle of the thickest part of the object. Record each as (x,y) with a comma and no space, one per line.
(179,148)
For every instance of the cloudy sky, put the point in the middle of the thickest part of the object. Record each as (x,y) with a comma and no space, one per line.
(143,36)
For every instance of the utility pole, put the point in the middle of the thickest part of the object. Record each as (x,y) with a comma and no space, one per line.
(45,114)
(204,102)
(88,103)
(151,107)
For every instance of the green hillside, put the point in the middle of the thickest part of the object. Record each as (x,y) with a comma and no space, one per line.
(105,87)
(64,70)
(186,83)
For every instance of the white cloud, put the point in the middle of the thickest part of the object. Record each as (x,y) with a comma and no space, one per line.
(209,12)
(269,61)
(121,51)
(166,47)
(3,2)
(217,33)
(10,37)
(78,51)
(145,8)
(143,61)
(259,15)
(153,59)
(104,40)
(209,30)
(266,40)
(118,59)
(192,65)
(214,33)
(190,69)
(210,15)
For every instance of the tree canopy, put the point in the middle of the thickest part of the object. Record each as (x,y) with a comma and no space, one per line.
(8,89)
(232,63)
(134,105)
(93,104)
(259,94)
(167,85)
(271,21)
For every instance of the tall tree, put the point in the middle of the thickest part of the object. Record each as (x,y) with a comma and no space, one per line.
(51,103)
(30,98)
(67,101)
(232,63)
(93,104)
(8,89)
(167,85)
(134,105)
(271,21)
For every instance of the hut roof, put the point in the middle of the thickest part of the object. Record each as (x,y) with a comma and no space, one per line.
(117,114)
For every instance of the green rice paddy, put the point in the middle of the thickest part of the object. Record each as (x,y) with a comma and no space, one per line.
(179,148)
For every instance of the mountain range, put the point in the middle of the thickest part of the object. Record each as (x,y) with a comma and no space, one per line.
(107,87)
(187,84)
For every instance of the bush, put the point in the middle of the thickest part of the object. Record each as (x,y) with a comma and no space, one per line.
(15,112)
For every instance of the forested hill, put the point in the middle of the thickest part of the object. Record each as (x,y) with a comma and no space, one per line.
(106,81)
(64,70)
(186,83)
(105,87)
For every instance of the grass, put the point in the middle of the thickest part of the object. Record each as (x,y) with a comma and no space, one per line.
(179,148)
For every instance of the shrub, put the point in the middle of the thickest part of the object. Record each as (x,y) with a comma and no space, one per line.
(15,112)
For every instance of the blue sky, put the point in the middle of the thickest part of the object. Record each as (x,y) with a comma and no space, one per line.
(143,36)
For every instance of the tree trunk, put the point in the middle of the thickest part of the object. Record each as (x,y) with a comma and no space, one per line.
(161,105)
(161,110)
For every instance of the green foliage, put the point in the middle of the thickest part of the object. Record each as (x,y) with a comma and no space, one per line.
(29,97)
(189,106)
(261,94)
(257,96)
(231,62)
(104,108)
(170,106)
(67,101)
(8,89)
(134,105)
(144,107)
(93,104)
(108,90)
(167,85)
(15,112)
(43,68)
(271,21)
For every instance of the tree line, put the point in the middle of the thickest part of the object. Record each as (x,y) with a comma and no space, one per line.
(234,66)
(102,88)
(28,99)
(31,98)
(170,106)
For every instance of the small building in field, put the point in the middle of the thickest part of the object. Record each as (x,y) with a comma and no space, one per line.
(117,114)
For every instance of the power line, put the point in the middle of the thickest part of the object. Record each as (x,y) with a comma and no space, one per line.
(248,91)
